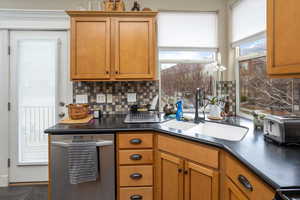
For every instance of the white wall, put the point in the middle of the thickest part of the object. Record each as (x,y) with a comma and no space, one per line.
(3,108)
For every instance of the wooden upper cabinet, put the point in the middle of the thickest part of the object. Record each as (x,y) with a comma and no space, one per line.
(283,33)
(134,48)
(200,182)
(113,45)
(90,48)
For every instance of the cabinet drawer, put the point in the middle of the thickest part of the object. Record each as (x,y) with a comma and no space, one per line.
(251,185)
(127,157)
(135,140)
(142,193)
(136,176)
(195,152)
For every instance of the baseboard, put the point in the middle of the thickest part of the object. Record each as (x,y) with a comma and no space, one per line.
(3,180)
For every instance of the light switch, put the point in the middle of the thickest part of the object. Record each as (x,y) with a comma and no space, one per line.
(101,98)
(109,98)
(131,97)
(82,98)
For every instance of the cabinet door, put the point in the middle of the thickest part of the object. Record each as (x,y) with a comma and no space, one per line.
(90,48)
(170,177)
(283,37)
(134,48)
(200,182)
(232,192)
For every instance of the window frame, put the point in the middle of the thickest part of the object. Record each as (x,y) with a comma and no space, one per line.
(237,60)
(176,61)
(215,50)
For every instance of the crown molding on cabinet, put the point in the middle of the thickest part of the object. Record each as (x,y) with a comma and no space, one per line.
(34,19)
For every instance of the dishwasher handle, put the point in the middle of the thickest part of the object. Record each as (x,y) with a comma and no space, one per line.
(100,143)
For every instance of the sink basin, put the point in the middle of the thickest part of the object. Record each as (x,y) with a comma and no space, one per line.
(220,131)
(211,129)
(179,125)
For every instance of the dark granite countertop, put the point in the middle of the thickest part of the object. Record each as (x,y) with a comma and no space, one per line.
(279,166)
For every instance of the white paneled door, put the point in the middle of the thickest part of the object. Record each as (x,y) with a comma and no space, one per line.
(39,87)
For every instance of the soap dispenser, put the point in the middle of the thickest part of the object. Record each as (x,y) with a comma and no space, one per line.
(179,113)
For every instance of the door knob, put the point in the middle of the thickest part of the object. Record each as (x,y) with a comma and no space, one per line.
(62,104)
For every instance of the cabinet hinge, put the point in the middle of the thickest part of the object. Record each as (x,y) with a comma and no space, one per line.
(8,106)
(8,162)
(8,50)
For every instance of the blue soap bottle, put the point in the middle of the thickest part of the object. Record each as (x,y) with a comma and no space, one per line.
(179,112)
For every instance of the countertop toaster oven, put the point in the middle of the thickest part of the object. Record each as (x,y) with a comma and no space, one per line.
(282,129)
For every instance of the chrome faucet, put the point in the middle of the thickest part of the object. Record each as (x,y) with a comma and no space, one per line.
(199,101)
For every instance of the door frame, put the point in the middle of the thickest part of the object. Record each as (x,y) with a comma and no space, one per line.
(16,19)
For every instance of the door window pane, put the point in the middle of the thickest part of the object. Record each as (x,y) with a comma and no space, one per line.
(36,68)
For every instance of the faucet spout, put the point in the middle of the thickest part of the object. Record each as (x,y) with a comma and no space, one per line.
(199,99)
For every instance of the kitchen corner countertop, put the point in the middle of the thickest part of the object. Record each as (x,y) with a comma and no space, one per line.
(279,166)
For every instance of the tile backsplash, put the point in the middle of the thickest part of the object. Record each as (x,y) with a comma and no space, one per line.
(228,89)
(145,92)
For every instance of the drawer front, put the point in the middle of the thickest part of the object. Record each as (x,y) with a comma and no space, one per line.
(197,153)
(135,140)
(249,183)
(141,193)
(129,157)
(136,176)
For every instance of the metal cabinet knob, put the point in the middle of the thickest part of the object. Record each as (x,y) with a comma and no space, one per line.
(244,181)
(136,197)
(61,115)
(136,157)
(135,141)
(136,176)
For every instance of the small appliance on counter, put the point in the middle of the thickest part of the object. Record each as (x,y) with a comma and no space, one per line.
(288,194)
(142,117)
(284,130)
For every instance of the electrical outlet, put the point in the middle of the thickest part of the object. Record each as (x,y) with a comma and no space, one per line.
(101,98)
(109,98)
(82,98)
(131,97)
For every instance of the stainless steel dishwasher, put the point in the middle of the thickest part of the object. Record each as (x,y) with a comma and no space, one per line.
(102,189)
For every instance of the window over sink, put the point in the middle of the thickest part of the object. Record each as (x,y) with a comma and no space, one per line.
(185,56)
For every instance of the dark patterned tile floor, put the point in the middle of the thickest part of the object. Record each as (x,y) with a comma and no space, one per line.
(24,193)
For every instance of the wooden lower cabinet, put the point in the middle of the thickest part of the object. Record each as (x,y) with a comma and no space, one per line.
(180,179)
(170,177)
(200,182)
(232,192)
(161,167)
